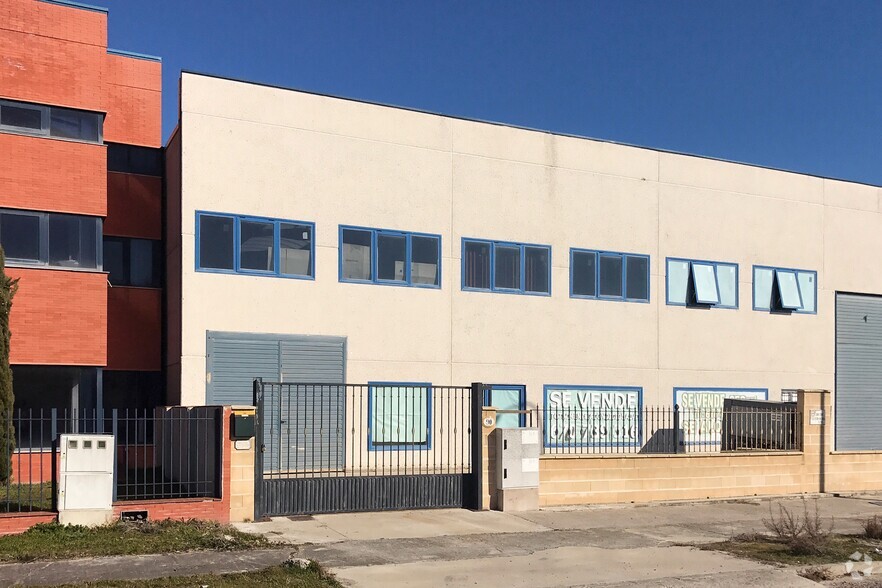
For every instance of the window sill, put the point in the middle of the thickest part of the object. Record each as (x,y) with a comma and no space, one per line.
(84,270)
(6,131)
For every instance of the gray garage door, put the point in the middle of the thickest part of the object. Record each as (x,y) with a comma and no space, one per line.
(858,397)
(295,426)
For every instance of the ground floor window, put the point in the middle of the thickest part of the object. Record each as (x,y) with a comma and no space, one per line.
(399,415)
(507,398)
(51,400)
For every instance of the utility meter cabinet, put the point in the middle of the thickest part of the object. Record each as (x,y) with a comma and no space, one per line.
(85,488)
(517,469)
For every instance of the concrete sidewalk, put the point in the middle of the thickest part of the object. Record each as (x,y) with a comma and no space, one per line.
(608,546)
(139,567)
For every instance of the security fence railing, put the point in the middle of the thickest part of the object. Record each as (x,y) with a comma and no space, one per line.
(160,453)
(345,430)
(666,429)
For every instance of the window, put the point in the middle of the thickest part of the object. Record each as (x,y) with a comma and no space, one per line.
(507,398)
(52,121)
(132,262)
(400,416)
(397,258)
(72,241)
(132,159)
(515,268)
(783,290)
(702,284)
(20,233)
(609,275)
(71,391)
(49,239)
(235,244)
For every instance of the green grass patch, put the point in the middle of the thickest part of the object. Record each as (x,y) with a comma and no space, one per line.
(54,541)
(26,497)
(311,577)
(768,549)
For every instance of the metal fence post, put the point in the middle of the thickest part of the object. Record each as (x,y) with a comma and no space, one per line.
(676,429)
(476,489)
(258,448)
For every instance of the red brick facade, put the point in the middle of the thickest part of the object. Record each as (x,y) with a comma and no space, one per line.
(57,55)
(59,317)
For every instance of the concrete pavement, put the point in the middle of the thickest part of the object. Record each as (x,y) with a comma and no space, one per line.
(597,546)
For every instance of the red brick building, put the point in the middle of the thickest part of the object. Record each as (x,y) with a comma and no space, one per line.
(80,209)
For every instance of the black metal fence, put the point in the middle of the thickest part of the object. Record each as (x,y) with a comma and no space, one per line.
(666,430)
(160,453)
(338,430)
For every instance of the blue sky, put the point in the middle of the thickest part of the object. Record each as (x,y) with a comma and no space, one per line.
(789,84)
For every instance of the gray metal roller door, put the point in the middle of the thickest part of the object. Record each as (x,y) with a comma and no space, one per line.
(234,361)
(295,427)
(858,397)
(313,420)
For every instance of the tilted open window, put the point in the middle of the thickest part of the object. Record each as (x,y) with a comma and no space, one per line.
(784,290)
(702,284)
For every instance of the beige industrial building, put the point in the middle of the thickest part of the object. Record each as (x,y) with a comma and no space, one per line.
(313,238)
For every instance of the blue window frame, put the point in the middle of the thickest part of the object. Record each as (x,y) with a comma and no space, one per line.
(609,275)
(700,283)
(507,397)
(254,246)
(785,290)
(399,416)
(388,257)
(501,266)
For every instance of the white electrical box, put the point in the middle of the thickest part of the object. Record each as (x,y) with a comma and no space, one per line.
(85,488)
(517,458)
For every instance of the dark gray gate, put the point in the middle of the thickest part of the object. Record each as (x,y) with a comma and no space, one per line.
(383,446)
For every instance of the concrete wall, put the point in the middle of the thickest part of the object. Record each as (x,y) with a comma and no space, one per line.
(249,149)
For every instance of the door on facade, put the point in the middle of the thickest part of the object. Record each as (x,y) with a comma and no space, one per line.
(291,422)
(858,411)
(507,397)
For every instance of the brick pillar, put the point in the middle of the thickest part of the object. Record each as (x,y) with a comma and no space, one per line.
(241,472)
(817,439)
(488,492)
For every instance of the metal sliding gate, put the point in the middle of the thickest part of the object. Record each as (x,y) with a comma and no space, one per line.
(325,448)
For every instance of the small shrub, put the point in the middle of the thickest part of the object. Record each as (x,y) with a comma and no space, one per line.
(804,535)
(873,528)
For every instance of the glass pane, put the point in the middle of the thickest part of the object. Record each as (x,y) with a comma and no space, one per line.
(391,257)
(536,270)
(71,124)
(400,415)
(357,255)
(637,278)
(584,273)
(215,242)
(72,241)
(611,275)
(21,117)
(114,261)
(256,245)
(295,249)
(788,290)
(726,278)
(678,281)
(807,287)
(507,273)
(476,265)
(20,236)
(424,260)
(762,288)
(506,399)
(705,283)
(144,263)
(134,160)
